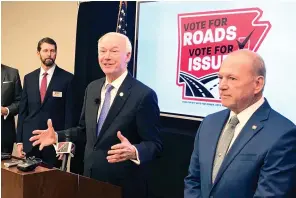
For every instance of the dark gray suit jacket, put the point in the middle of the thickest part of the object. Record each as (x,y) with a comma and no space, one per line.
(10,96)
(135,113)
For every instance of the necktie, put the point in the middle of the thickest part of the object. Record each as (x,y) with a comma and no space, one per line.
(105,108)
(43,86)
(223,145)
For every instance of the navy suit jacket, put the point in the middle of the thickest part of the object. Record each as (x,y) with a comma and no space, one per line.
(34,115)
(260,163)
(135,113)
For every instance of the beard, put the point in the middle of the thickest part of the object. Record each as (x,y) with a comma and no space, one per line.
(47,61)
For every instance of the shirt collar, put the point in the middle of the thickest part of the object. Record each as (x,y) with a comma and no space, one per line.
(245,115)
(49,72)
(117,83)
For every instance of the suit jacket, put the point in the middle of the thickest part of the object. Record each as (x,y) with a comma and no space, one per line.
(136,115)
(260,163)
(34,115)
(11,90)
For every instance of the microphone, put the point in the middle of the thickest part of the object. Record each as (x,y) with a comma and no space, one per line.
(65,148)
(97,100)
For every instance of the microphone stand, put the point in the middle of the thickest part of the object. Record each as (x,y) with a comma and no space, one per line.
(65,155)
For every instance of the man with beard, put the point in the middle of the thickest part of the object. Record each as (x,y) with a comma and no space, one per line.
(46,95)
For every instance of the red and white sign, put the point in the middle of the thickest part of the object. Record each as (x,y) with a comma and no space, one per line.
(205,39)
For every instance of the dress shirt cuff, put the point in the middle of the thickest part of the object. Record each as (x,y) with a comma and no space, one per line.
(55,145)
(6,114)
(137,161)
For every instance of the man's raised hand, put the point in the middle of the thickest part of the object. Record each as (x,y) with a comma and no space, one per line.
(44,137)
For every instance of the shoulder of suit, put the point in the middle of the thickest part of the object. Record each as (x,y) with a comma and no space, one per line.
(28,75)
(96,82)
(276,117)
(9,69)
(66,73)
(218,114)
(139,85)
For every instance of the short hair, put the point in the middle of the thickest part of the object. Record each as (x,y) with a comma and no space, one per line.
(259,66)
(127,41)
(46,40)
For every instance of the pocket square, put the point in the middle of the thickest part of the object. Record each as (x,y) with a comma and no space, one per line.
(4,82)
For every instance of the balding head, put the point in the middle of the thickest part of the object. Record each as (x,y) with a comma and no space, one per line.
(242,78)
(257,61)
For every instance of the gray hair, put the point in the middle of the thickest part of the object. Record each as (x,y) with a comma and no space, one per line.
(259,67)
(127,41)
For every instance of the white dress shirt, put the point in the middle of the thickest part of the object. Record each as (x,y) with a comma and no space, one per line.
(49,75)
(243,118)
(7,113)
(116,84)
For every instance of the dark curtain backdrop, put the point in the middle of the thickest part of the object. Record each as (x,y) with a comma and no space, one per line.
(94,20)
(168,172)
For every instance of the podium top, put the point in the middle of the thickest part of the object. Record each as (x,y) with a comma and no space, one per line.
(13,169)
(48,183)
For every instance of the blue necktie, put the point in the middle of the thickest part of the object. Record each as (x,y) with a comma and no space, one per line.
(105,108)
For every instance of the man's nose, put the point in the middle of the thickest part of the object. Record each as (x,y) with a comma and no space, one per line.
(49,53)
(107,55)
(222,84)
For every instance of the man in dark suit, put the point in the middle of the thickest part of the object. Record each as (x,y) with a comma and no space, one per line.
(11,90)
(120,121)
(46,95)
(248,150)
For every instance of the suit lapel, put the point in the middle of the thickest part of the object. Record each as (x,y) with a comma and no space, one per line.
(212,140)
(3,74)
(253,126)
(93,111)
(119,100)
(35,86)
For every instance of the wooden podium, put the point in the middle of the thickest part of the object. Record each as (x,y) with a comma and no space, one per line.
(52,183)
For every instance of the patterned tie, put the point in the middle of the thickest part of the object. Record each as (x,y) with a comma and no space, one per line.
(105,108)
(43,86)
(223,145)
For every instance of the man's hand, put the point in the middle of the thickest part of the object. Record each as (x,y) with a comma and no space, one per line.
(20,152)
(4,111)
(121,152)
(61,156)
(44,137)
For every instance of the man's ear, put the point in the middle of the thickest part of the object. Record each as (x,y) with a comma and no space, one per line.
(260,81)
(128,57)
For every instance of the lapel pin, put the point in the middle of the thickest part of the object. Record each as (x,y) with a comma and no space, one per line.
(254,127)
(120,94)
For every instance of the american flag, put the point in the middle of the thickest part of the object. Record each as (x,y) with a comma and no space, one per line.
(121,20)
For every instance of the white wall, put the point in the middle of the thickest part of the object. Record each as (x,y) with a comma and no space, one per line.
(25,23)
